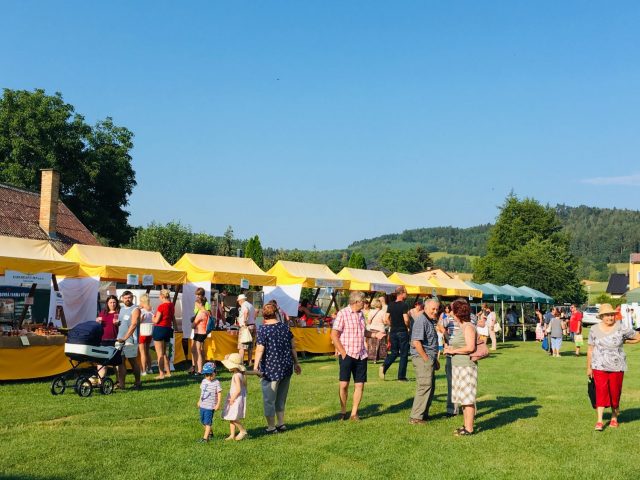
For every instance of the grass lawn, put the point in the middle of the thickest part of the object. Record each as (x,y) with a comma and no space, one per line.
(534,421)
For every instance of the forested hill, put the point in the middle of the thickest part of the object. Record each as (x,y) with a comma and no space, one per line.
(598,236)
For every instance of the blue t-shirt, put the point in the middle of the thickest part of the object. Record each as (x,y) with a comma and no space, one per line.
(277,360)
(424,330)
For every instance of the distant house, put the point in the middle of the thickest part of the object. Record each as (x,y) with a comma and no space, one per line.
(634,271)
(41,216)
(618,284)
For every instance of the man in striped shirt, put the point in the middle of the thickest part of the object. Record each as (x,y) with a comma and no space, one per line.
(348,337)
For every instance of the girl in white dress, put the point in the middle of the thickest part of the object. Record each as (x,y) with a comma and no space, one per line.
(235,407)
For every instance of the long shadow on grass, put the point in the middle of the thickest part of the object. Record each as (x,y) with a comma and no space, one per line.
(504,413)
(631,415)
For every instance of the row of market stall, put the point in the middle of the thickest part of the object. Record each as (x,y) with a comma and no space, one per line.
(76,278)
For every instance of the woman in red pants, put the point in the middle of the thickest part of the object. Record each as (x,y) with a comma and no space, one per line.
(606,362)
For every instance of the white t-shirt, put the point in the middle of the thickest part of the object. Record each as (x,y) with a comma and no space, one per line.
(251,317)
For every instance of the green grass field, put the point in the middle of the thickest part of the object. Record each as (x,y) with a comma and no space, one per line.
(534,421)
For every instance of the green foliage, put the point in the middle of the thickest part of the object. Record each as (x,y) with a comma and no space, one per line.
(96,178)
(605,298)
(226,247)
(253,250)
(526,247)
(454,263)
(357,261)
(173,240)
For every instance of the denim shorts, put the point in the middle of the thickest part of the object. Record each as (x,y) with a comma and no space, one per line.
(162,334)
(206,416)
(556,343)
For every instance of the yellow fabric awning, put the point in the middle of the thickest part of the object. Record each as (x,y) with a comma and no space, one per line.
(114,264)
(223,270)
(416,285)
(33,256)
(309,275)
(454,286)
(367,280)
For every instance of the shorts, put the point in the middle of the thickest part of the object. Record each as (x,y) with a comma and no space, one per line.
(162,334)
(130,350)
(144,339)
(350,366)
(556,343)
(199,337)
(206,416)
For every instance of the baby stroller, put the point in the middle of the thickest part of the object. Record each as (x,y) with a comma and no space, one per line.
(83,346)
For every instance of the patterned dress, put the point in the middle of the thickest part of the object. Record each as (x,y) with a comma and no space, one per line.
(464,372)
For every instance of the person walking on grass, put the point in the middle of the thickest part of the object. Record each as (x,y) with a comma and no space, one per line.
(397,318)
(556,327)
(607,362)
(235,407)
(575,327)
(424,356)
(209,401)
(348,336)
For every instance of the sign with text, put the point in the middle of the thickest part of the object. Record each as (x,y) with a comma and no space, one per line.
(383,287)
(132,279)
(244,283)
(42,280)
(147,280)
(327,283)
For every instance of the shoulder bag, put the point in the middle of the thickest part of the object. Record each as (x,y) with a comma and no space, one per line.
(481,350)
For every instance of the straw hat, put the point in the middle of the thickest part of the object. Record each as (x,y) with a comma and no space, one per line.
(606,309)
(232,361)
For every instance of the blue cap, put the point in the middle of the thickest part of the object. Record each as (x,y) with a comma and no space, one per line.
(208,368)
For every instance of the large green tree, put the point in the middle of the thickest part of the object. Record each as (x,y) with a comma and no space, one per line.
(253,250)
(356,260)
(96,178)
(527,247)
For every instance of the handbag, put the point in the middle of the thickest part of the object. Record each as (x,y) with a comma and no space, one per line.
(481,350)
(211,324)
(591,391)
(497,327)
(245,335)
(545,343)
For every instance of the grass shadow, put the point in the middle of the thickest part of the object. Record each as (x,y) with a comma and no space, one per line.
(509,416)
(500,403)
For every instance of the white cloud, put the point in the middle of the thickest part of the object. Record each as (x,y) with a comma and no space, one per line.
(632,180)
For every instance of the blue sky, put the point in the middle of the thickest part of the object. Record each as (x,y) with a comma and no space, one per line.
(322,123)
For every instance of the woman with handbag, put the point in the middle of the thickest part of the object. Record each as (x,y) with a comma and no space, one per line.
(464,375)
(606,362)
(376,347)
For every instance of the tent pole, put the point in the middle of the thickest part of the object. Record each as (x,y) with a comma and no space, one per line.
(504,323)
(524,337)
(315,297)
(56,288)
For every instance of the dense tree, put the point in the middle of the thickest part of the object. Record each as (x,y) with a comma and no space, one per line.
(226,247)
(96,178)
(403,261)
(356,260)
(172,240)
(527,247)
(253,250)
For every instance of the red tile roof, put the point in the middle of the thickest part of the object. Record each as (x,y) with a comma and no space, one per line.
(20,217)
(635,258)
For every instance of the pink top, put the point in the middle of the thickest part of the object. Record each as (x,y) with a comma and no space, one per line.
(201,323)
(351,326)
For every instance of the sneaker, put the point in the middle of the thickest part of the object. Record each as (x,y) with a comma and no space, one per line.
(613,423)
(381,372)
(144,374)
(599,427)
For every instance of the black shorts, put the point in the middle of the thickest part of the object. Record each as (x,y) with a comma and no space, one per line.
(352,366)
(162,334)
(199,337)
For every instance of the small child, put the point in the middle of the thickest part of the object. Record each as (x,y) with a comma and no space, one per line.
(235,406)
(209,402)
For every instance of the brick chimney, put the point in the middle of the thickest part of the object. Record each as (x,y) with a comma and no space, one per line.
(49,196)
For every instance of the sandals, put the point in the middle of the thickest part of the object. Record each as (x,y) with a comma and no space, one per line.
(271,432)
(599,427)
(281,428)
(462,432)
(613,423)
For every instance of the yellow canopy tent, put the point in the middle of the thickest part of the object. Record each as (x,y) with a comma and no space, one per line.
(223,270)
(33,256)
(417,286)
(114,264)
(309,275)
(367,280)
(454,286)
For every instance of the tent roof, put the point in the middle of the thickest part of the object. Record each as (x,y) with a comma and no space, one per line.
(114,264)
(33,256)
(455,287)
(537,294)
(223,270)
(417,286)
(489,292)
(310,275)
(515,294)
(367,280)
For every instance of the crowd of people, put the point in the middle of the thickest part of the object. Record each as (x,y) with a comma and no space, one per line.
(366,330)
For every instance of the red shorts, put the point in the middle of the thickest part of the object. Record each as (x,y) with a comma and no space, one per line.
(144,339)
(608,388)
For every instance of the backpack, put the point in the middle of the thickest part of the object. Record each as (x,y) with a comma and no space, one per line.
(211,324)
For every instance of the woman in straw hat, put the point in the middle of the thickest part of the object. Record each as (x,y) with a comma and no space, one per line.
(606,362)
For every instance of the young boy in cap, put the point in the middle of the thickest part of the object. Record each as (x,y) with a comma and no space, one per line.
(209,402)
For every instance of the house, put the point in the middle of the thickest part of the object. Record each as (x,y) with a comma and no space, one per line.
(42,216)
(618,284)
(634,271)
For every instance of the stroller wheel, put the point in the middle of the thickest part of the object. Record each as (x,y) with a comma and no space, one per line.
(106,388)
(84,387)
(58,386)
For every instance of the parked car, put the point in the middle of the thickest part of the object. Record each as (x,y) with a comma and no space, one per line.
(590,315)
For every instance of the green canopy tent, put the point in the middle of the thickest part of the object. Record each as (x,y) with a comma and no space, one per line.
(492,293)
(537,296)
